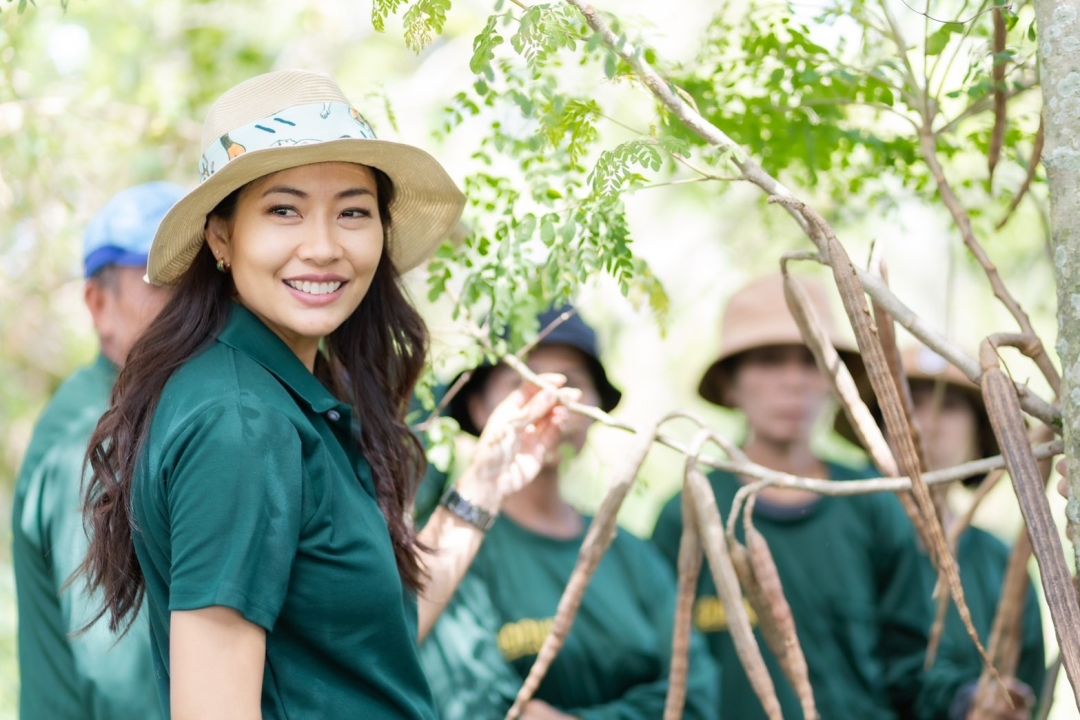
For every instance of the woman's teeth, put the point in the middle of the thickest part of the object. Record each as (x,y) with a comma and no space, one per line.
(314,288)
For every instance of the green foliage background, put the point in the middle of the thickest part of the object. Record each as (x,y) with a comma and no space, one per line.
(579,185)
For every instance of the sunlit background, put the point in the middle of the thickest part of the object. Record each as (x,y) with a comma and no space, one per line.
(105,95)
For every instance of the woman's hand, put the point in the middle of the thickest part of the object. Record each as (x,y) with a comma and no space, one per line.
(522,433)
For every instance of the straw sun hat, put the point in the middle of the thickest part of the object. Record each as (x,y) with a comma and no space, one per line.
(758,316)
(290,118)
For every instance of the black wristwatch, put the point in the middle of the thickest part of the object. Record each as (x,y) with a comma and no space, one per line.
(476,516)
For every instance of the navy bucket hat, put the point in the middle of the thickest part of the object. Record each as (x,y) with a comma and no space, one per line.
(574,333)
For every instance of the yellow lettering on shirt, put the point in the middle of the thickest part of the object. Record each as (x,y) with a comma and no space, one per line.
(524,637)
(710,615)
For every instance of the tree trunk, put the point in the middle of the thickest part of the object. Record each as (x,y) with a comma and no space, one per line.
(1059,60)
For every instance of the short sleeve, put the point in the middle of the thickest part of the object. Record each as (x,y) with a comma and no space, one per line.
(234,495)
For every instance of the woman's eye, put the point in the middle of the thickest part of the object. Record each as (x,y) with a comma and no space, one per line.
(284,211)
(356,213)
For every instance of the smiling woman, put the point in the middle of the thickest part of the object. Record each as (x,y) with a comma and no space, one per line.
(257,442)
(303,246)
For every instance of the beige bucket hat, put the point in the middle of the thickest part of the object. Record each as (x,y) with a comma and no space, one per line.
(290,118)
(758,316)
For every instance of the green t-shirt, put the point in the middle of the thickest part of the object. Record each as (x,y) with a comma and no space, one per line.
(616,659)
(983,561)
(851,571)
(252,494)
(66,676)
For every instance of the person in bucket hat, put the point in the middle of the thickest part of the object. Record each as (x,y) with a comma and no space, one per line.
(252,478)
(67,675)
(955,428)
(617,660)
(850,566)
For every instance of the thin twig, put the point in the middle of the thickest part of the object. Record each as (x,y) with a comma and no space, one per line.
(1029,177)
(928,143)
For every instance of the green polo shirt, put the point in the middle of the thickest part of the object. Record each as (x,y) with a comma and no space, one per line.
(616,660)
(252,494)
(69,676)
(983,561)
(852,573)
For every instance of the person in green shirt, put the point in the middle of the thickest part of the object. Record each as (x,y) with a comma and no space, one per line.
(850,566)
(65,674)
(252,477)
(955,429)
(617,658)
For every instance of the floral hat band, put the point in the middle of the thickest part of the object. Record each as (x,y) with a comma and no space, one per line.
(297,125)
(287,119)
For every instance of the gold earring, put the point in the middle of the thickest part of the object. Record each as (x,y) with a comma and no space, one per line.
(222,266)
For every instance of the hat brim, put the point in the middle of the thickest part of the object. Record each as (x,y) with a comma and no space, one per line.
(715,380)
(426,206)
(458,407)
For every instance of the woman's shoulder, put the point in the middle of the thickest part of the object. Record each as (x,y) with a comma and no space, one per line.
(219,382)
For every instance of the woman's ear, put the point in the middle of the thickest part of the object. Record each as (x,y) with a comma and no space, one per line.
(217,237)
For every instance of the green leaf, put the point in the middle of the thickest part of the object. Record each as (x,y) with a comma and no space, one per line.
(380,10)
(423,21)
(939,39)
(484,46)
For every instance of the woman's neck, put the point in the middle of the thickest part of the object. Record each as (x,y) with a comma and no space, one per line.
(540,508)
(793,458)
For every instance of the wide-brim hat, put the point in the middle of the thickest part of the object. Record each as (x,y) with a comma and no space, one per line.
(291,118)
(572,332)
(758,316)
(921,364)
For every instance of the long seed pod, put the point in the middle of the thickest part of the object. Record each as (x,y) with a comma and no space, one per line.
(1005,637)
(854,299)
(727,585)
(997,74)
(690,561)
(1008,424)
(597,541)
(962,524)
(775,616)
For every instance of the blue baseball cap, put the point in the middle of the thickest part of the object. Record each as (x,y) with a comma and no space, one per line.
(122,232)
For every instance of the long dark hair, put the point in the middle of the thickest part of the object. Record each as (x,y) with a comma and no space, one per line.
(372,361)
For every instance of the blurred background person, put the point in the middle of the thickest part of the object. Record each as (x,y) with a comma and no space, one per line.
(616,660)
(65,673)
(850,566)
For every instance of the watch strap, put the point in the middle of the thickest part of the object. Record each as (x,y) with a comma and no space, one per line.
(474,515)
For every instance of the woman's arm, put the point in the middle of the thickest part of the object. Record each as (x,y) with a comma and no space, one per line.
(216,660)
(518,436)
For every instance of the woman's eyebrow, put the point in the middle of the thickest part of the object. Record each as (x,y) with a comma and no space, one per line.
(287,190)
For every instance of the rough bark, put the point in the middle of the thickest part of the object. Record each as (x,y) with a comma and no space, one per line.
(1059,60)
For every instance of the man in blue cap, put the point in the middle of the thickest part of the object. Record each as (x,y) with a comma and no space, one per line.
(67,674)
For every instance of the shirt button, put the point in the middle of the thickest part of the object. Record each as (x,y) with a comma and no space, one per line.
(333,415)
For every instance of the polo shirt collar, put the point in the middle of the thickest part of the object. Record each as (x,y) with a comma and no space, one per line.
(247,334)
